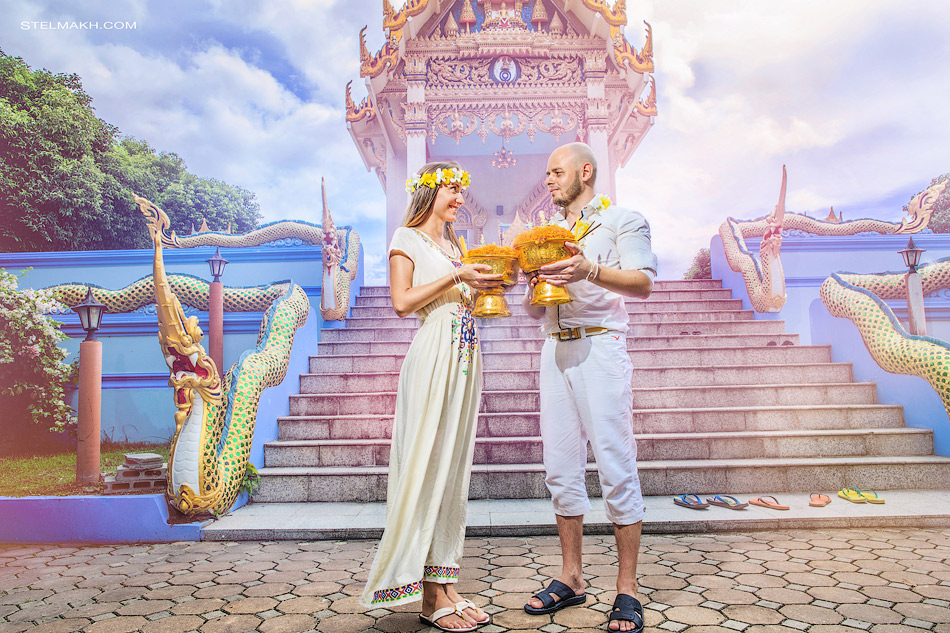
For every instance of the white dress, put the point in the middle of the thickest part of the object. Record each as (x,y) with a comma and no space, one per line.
(433,442)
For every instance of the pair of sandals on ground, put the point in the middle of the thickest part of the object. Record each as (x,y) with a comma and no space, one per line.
(558,595)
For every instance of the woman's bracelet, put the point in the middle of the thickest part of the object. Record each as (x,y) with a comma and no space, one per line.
(456,278)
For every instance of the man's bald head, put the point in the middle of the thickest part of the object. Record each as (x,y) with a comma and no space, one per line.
(580,154)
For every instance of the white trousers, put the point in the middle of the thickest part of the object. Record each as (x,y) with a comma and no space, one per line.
(586,396)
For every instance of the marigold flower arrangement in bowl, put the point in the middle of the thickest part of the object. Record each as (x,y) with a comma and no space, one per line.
(491,303)
(538,247)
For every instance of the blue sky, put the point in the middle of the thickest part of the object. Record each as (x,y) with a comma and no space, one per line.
(849,94)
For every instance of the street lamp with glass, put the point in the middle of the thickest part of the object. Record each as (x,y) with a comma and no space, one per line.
(916,318)
(216,310)
(90,314)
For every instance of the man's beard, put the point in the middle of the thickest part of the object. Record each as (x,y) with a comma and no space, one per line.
(573,191)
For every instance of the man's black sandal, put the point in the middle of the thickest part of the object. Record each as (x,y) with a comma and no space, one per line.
(567,598)
(628,609)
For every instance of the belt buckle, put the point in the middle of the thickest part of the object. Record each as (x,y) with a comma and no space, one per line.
(573,334)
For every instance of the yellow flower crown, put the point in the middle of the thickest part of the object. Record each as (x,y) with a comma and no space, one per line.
(439,177)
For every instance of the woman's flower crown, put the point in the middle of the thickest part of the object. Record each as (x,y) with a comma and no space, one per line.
(439,177)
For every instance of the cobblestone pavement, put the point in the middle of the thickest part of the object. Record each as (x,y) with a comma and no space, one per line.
(822,581)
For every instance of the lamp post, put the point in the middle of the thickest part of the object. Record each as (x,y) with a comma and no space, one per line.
(216,310)
(916,318)
(90,314)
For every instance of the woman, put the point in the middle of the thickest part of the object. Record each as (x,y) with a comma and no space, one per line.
(436,408)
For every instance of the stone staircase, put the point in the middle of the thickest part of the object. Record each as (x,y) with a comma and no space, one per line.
(723,404)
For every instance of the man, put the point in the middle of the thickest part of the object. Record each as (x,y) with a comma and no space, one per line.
(586,377)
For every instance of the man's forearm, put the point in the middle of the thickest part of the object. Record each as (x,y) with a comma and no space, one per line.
(535,312)
(629,283)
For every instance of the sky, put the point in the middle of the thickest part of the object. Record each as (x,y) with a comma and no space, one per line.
(849,94)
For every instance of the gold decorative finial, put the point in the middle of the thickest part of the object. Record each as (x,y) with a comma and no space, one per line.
(467,17)
(539,16)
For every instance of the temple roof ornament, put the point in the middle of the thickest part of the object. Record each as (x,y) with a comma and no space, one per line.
(539,16)
(467,18)
(616,16)
(647,107)
(625,54)
(557,26)
(357,113)
(451,28)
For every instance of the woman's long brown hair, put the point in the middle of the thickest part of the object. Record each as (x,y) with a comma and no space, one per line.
(423,200)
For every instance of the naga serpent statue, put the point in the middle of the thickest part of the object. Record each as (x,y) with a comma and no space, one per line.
(765,282)
(860,298)
(215,417)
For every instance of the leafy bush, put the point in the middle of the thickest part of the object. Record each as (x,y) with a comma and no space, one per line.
(32,371)
(701,267)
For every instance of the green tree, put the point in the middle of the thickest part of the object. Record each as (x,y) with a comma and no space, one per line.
(940,219)
(67,181)
(701,267)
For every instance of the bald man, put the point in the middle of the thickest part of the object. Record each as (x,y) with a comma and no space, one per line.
(586,378)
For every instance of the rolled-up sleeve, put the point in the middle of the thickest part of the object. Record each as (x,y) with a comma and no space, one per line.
(634,245)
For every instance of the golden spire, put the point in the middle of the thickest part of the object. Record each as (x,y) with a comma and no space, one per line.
(557,27)
(468,16)
(539,16)
(451,28)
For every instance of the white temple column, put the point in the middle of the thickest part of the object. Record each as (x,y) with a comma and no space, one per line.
(595,72)
(416,119)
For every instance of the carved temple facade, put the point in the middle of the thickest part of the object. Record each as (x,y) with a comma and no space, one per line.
(497,86)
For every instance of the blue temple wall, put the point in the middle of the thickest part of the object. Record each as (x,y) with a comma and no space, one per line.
(136,400)
(807,262)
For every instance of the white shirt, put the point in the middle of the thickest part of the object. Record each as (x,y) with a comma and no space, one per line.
(622,241)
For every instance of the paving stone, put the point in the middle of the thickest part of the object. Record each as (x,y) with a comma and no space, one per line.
(837,595)
(231,624)
(217,591)
(694,615)
(303,605)
(61,626)
(174,624)
(250,605)
(198,607)
(925,612)
(346,623)
(870,613)
(811,614)
(120,624)
(292,623)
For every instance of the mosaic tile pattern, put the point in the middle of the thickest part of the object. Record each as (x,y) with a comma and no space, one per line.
(821,581)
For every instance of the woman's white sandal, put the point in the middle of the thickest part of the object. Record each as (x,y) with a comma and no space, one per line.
(438,614)
(463,604)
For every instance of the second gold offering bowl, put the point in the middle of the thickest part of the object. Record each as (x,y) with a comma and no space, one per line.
(491,303)
(533,256)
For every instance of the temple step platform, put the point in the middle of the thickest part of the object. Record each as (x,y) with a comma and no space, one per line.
(723,404)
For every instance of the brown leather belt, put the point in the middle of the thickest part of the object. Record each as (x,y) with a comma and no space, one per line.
(574,333)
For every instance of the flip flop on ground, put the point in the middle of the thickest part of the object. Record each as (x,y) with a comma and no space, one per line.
(628,609)
(438,614)
(726,501)
(549,605)
(870,496)
(768,502)
(689,501)
(819,500)
(852,494)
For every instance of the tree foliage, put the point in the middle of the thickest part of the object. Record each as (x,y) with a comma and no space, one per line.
(940,220)
(701,267)
(67,179)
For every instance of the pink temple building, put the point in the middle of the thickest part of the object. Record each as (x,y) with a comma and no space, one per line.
(497,86)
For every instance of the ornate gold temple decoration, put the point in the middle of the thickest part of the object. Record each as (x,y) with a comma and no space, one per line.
(356,113)
(647,107)
(539,16)
(616,16)
(625,54)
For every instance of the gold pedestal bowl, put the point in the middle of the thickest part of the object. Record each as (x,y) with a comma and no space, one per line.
(491,303)
(534,255)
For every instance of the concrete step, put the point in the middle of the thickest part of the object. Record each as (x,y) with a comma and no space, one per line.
(703,357)
(712,327)
(352,348)
(358,380)
(659,477)
(680,397)
(663,284)
(642,307)
(712,294)
(696,420)
(650,447)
